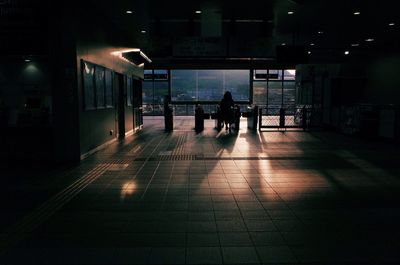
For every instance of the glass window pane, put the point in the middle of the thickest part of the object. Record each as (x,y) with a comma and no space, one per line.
(109,88)
(238,83)
(88,85)
(147,97)
(260,93)
(260,74)
(100,87)
(160,90)
(289,74)
(129,91)
(289,95)
(274,94)
(160,74)
(274,74)
(210,85)
(183,85)
(148,74)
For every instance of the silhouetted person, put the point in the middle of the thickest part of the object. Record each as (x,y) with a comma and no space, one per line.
(226,105)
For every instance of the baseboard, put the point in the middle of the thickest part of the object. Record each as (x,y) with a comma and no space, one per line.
(129,133)
(98,148)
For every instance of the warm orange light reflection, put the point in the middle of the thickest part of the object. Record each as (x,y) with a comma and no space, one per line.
(119,53)
(127,189)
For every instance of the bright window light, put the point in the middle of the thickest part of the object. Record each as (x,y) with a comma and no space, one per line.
(291,71)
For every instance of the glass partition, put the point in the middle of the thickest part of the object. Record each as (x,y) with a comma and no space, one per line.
(260,91)
(209,85)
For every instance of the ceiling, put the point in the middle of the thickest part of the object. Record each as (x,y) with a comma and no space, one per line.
(241,29)
(327,28)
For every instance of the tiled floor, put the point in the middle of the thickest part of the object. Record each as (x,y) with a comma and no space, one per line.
(210,198)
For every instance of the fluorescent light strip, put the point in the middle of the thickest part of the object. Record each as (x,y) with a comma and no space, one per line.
(119,54)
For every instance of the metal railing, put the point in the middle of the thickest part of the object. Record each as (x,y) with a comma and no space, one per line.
(292,117)
(185,109)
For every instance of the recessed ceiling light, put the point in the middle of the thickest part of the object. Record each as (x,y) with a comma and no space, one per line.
(320,32)
(290,12)
(355,45)
(346,53)
(356,13)
(27,60)
(283,44)
(129,11)
(143,31)
(309,52)
(312,44)
(369,40)
(392,24)
(198,11)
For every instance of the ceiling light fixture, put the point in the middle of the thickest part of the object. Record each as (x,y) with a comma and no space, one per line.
(283,44)
(134,56)
(355,45)
(356,13)
(143,31)
(27,60)
(346,53)
(369,40)
(392,24)
(129,12)
(309,52)
(312,44)
(198,11)
(290,13)
(320,32)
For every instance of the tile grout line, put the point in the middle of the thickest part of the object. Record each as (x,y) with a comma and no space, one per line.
(39,211)
(31,221)
(158,165)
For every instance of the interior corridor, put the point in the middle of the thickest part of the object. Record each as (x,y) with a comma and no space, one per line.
(272,197)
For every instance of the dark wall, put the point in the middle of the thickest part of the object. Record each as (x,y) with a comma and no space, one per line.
(22,82)
(383,86)
(25,109)
(97,44)
(95,125)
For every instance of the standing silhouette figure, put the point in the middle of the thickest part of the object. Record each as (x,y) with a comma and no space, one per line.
(227,113)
